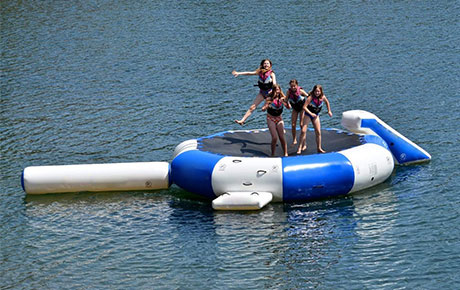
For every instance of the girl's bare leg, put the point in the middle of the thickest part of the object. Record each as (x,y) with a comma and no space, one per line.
(303,136)
(272,127)
(294,125)
(317,125)
(302,118)
(280,129)
(251,109)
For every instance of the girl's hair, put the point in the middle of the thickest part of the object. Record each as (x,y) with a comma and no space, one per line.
(312,93)
(272,94)
(293,81)
(261,69)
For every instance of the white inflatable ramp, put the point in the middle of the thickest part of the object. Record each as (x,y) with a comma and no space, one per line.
(96,177)
(242,200)
(404,151)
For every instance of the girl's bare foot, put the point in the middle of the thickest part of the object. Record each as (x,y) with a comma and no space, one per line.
(294,141)
(301,148)
(320,150)
(239,122)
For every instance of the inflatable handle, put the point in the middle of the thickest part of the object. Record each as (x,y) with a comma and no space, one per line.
(242,200)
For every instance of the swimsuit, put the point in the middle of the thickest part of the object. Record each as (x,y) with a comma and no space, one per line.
(265,83)
(296,99)
(275,108)
(274,111)
(275,120)
(315,107)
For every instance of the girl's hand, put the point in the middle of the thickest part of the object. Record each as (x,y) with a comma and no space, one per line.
(234,73)
(329,113)
(265,106)
(313,115)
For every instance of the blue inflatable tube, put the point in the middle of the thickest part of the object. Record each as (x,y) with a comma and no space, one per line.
(316,176)
(404,151)
(238,162)
(193,170)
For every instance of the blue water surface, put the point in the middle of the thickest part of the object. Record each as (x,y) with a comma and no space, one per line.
(126,81)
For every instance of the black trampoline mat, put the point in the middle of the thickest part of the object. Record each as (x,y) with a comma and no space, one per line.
(256,143)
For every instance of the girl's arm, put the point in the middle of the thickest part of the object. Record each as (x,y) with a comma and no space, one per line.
(287,104)
(245,73)
(329,112)
(285,101)
(287,92)
(303,93)
(273,78)
(305,107)
(267,103)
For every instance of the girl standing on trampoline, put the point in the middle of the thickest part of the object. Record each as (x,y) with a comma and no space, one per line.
(296,96)
(274,106)
(312,107)
(265,83)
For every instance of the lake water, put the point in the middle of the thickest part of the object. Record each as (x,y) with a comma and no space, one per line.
(126,81)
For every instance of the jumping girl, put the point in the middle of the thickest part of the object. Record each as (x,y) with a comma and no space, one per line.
(312,107)
(266,81)
(296,96)
(274,106)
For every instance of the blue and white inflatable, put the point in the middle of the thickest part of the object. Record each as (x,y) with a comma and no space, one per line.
(245,178)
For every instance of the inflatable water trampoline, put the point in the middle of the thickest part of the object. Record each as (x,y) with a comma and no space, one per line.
(234,170)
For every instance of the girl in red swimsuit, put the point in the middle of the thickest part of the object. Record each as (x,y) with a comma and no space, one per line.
(274,106)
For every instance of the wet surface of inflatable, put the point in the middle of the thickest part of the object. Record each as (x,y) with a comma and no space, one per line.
(256,143)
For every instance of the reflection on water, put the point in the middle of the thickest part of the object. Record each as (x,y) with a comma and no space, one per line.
(317,233)
(376,215)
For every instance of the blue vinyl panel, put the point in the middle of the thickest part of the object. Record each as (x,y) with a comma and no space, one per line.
(403,151)
(192,171)
(316,176)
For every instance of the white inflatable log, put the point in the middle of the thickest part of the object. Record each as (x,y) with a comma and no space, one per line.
(96,177)
(372,165)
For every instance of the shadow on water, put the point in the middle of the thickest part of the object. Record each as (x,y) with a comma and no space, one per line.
(403,173)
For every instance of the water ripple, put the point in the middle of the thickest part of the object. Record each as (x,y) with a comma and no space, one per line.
(126,82)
